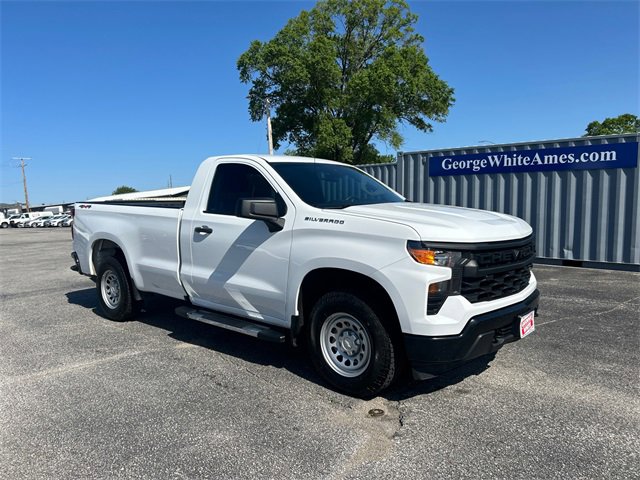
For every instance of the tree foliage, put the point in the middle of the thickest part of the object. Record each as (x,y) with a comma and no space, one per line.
(625,123)
(343,74)
(123,189)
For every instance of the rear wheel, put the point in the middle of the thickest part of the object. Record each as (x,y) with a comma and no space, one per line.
(114,290)
(350,346)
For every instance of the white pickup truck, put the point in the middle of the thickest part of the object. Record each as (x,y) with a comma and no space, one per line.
(21,220)
(323,254)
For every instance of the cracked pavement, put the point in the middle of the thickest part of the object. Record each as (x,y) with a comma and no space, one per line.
(164,397)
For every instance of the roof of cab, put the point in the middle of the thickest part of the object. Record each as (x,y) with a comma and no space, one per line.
(278,158)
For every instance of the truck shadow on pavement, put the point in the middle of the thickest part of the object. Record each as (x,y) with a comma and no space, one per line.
(85,298)
(158,312)
(412,388)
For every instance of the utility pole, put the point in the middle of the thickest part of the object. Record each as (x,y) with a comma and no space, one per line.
(170,182)
(269,137)
(24,179)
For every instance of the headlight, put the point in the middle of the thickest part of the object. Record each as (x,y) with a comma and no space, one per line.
(431,256)
(437,292)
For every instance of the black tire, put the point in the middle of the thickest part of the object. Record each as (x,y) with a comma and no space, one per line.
(338,352)
(113,286)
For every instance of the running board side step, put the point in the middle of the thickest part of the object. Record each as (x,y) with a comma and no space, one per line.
(235,324)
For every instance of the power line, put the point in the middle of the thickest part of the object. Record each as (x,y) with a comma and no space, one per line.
(24,179)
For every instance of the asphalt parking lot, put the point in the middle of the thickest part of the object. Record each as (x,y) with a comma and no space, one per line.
(163,397)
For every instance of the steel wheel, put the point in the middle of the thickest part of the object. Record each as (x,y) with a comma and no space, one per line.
(350,346)
(110,289)
(113,286)
(345,344)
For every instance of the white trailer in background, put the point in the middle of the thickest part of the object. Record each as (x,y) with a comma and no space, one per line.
(55,210)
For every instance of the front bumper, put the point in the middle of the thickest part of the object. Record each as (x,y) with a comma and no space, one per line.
(486,333)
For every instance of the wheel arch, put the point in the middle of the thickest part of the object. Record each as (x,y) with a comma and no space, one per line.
(106,247)
(323,280)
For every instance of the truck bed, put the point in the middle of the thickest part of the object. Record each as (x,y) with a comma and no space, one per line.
(148,202)
(147,232)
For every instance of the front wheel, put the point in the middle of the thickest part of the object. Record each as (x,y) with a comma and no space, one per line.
(114,290)
(350,346)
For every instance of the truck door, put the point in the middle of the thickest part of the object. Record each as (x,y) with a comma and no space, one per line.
(233,264)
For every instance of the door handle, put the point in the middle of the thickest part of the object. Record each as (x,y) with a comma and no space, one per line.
(204,229)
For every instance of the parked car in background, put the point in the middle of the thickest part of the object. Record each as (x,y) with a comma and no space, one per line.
(48,221)
(39,222)
(55,221)
(31,223)
(67,222)
(28,216)
(6,222)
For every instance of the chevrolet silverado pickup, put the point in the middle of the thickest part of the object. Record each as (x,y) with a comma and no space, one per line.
(324,255)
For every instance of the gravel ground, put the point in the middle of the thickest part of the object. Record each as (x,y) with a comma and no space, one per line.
(164,397)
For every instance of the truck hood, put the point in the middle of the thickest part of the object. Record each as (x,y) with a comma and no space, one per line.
(442,223)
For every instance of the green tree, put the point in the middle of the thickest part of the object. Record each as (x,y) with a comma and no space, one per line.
(625,123)
(123,189)
(343,74)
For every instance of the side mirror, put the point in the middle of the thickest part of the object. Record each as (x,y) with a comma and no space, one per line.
(265,209)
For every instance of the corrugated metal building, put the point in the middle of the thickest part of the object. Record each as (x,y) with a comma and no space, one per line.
(580,196)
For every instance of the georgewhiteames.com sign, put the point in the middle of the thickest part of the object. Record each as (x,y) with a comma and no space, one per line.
(613,155)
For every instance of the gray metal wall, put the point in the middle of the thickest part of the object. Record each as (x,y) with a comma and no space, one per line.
(587,215)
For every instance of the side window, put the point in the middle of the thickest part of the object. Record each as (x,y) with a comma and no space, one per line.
(233,182)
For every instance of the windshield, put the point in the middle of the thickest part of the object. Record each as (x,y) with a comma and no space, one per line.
(326,185)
